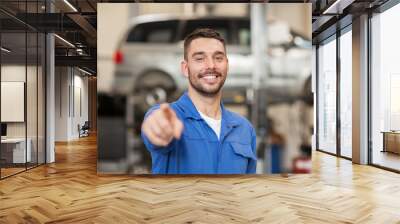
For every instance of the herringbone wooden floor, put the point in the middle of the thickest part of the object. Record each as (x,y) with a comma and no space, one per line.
(70,191)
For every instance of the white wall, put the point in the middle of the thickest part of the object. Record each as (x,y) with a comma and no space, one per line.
(109,34)
(71,93)
(61,103)
(33,126)
(80,94)
(15,73)
(12,101)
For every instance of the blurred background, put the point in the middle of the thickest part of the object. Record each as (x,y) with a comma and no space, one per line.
(139,49)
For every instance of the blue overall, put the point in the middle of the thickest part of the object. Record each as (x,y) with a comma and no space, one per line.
(199,151)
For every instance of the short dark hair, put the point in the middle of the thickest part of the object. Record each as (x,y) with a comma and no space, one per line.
(201,33)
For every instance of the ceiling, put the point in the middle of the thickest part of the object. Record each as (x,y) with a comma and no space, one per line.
(75,43)
(331,15)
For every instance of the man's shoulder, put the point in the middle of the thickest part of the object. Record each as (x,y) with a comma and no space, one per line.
(239,119)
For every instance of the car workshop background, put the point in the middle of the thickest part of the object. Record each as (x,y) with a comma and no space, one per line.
(269,81)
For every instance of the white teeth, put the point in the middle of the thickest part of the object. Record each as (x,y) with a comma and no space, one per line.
(209,77)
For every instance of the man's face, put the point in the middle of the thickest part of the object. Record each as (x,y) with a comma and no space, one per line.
(206,66)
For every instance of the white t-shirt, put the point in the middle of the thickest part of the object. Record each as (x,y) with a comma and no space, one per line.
(213,123)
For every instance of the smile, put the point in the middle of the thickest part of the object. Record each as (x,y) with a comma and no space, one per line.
(209,77)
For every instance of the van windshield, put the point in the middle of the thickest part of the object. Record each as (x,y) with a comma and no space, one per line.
(154,32)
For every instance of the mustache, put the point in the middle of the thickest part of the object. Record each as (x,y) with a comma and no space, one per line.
(213,72)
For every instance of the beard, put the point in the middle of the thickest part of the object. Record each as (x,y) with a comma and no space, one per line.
(204,88)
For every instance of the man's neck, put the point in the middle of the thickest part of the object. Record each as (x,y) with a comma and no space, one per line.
(208,105)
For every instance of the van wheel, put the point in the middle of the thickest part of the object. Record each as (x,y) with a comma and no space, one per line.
(154,88)
(156,95)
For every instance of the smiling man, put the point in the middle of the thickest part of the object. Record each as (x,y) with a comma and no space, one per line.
(196,134)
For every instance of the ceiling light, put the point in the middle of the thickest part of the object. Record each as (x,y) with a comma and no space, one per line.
(65,41)
(329,9)
(5,50)
(337,7)
(70,5)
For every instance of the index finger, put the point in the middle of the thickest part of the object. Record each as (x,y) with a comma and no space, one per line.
(167,111)
(171,116)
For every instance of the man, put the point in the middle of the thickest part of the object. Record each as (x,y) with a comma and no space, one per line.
(196,134)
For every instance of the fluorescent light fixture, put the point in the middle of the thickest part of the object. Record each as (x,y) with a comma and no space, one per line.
(65,41)
(337,7)
(5,50)
(331,7)
(70,5)
(84,71)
